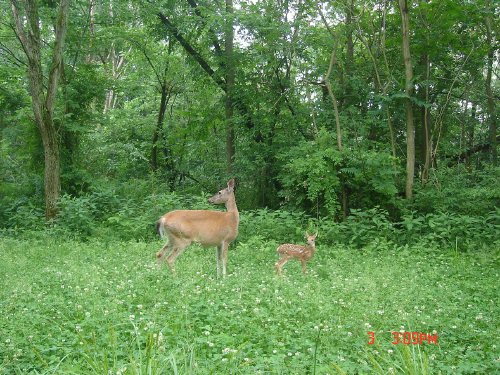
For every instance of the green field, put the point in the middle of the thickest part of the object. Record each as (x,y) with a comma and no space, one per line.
(98,307)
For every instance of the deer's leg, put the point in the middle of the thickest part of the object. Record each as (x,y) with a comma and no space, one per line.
(280,263)
(161,254)
(304,269)
(177,249)
(219,259)
(225,247)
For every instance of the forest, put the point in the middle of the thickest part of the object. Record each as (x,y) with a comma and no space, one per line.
(370,122)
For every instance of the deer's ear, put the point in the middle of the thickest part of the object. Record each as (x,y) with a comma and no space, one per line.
(230,183)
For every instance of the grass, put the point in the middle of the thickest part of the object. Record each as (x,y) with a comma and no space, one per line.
(97,307)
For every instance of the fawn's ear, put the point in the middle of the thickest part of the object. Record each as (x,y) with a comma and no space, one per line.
(230,184)
(315,235)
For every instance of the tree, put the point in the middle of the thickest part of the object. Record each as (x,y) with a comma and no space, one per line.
(43,91)
(410,127)
(492,116)
(230,78)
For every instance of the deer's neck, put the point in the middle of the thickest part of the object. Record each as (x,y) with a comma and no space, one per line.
(311,249)
(231,205)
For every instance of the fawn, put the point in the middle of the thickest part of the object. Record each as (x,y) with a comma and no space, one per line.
(303,253)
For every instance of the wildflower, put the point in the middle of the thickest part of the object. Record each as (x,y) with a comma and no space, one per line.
(131,316)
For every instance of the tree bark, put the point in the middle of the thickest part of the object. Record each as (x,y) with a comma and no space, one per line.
(489,95)
(43,102)
(159,126)
(410,127)
(426,117)
(230,78)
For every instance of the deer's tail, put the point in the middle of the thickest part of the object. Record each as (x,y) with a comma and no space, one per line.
(160,228)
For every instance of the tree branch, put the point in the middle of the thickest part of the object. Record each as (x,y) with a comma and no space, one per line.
(191,51)
(55,67)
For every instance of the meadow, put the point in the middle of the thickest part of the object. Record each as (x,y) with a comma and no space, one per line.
(104,307)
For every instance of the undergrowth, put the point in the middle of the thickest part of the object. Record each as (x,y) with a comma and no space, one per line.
(105,307)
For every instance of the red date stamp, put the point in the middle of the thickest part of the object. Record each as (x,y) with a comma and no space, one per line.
(408,338)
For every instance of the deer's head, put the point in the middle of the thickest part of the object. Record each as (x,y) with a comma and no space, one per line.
(311,238)
(223,195)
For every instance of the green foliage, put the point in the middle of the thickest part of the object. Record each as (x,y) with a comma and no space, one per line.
(105,306)
(276,225)
(459,191)
(315,173)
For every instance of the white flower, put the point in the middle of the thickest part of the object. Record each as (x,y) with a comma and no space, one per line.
(131,316)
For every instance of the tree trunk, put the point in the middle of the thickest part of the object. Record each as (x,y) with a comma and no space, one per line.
(426,117)
(349,63)
(230,77)
(159,127)
(43,102)
(489,95)
(410,127)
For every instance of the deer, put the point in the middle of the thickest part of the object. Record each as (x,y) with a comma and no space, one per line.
(303,253)
(206,227)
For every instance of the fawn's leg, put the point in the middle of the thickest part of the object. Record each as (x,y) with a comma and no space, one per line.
(304,269)
(280,263)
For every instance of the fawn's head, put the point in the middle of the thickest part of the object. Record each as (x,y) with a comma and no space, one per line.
(223,195)
(311,239)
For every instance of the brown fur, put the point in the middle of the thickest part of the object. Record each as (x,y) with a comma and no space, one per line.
(302,253)
(208,228)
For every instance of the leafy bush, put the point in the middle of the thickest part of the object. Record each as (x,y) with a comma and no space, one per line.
(23,213)
(315,173)
(458,191)
(279,225)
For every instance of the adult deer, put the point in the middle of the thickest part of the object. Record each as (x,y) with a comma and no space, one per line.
(209,228)
(289,251)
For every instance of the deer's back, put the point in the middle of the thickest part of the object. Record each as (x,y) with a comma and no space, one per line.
(290,249)
(209,228)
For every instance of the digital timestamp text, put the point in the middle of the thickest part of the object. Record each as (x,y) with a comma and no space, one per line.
(408,338)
